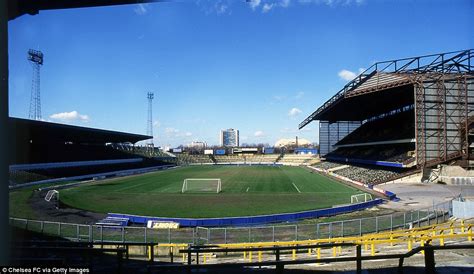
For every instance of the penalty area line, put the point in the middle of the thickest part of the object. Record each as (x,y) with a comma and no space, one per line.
(297,189)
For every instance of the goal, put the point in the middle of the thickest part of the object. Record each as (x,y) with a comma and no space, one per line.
(51,194)
(202,185)
(360,198)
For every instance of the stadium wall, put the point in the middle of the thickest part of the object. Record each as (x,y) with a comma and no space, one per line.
(73,164)
(118,173)
(252,220)
(367,162)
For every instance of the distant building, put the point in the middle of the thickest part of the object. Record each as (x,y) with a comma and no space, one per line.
(229,138)
(292,142)
(198,144)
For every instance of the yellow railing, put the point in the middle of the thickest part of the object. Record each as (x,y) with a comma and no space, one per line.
(410,237)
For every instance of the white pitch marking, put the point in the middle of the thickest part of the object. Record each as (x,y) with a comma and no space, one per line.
(247,189)
(296,188)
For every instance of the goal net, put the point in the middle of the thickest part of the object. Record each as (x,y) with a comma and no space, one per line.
(50,195)
(202,185)
(360,198)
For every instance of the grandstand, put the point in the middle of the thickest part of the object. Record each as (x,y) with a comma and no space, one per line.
(297,159)
(368,175)
(49,151)
(247,159)
(398,116)
(286,159)
(186,159)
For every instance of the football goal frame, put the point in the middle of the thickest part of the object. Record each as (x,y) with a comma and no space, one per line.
(361,198)
(203,185)
(50,195)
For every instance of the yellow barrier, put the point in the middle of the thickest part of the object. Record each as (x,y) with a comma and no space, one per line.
(421,235)
(409,236)
(171,249)
(469,230)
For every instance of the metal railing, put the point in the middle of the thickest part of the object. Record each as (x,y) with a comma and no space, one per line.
(448,62)
(276,254)
(426,250)
(200,235)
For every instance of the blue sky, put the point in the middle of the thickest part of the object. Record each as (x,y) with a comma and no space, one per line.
(260,67)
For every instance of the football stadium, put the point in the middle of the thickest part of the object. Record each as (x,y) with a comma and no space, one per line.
(387,187)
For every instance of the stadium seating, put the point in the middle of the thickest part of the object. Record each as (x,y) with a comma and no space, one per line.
(326,165)
(27,176)
(185,159)
(368,175)
(244,159)
(399,153)
(247,159)
(229,158)
(297,159)
(394,127)
(37,153)
(142,151)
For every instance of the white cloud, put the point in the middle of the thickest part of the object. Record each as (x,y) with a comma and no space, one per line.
(175,133)
(279,97)
(346,75)
(218,7)
(333,3)
(285,3)
(171,131)
(156,123)
(299,95)
(141,9)
(254,4)
(294,112)
(70,116)
(221,8)
(259,133)
(267,7)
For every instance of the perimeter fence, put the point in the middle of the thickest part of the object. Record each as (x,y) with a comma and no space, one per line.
(201,235)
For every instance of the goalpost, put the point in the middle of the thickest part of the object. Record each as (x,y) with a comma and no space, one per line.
(49,196)
(360,198)
(202,185)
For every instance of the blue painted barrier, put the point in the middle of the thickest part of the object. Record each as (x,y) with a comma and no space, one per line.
(252,220)
(366,162)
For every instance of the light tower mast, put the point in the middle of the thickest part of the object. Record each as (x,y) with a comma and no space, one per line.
(36,60)
(149,130)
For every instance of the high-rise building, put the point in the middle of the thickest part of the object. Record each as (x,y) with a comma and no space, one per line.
(229,137)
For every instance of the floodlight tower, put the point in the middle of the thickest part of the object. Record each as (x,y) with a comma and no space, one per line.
(36,60)
(149,130)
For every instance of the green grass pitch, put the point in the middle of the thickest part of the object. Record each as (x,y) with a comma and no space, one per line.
(246,191)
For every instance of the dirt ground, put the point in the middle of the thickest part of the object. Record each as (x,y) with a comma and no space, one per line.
(47,211)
